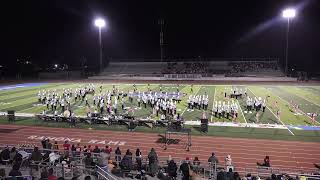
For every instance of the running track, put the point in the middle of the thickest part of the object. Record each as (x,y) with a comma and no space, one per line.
(245,153)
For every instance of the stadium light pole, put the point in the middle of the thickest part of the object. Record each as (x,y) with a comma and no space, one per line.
(288,14)
(100,23)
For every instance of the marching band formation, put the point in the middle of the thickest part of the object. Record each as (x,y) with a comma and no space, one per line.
(163,104)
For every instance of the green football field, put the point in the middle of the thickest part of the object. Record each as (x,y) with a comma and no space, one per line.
(24,100)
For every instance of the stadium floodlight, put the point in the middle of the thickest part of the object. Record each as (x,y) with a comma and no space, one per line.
(100,23)
(288,13)
(56,65)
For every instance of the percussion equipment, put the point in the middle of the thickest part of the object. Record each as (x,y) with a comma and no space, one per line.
(67,113)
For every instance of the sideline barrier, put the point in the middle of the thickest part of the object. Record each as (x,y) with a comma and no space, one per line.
(104,174)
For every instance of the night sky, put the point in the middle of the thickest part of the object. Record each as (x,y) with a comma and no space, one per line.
(62,31)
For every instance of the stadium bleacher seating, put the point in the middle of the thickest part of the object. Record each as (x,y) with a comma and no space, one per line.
(77,164)
(207,70)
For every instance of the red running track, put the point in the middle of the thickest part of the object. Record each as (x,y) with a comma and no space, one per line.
(245,153)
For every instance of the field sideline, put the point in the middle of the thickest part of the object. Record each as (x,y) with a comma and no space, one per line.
(24,99)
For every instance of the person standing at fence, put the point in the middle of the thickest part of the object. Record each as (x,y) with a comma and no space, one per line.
(118,155)
(185,169)
(139,159)
(172,169)
(213,160)
(153,162)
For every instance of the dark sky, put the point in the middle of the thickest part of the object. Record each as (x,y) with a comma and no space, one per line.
(56,31)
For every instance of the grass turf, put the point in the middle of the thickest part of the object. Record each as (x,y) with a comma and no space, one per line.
(25,100)
(308,98)
(232,132)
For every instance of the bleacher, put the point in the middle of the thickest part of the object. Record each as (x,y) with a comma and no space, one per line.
(132,69)
(201,70)
(77,167)
(255,69)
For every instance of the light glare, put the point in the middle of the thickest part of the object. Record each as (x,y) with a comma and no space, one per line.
(289,13)
(99,23)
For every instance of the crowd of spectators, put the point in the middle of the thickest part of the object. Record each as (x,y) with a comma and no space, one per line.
(254,66)
(115,163)
(185,68)
(119,164)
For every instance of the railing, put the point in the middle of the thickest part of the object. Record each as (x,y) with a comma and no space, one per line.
(28,177)
(262,171)
(206,170)
(182,76)
(104,174)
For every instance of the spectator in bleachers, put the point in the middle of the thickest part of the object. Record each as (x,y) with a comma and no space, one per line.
(172,169)
(43,143)
(15,171)
(66,146)
(111,166)
(44,175)
(118,154)
(36,155)
(139,159)
(17,159)
(196,164)
(56,146)
(103,160)
(49,145)
(66,159)
(85,150)
(73,150)
(2,173)
(266,162)
(129,153)
(126,162)
(78,150)
(108,150)
(50,175)
(248,176)
(13,153)
(185,169)
(221,175)
(88,161)
(228,160)
(213,159)
(229,174)
(89,149)
(153,162)
(46,156)
(96,149)
(236,176)
(5,155)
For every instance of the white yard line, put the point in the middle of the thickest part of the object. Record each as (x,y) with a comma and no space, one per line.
(214,95)
(24,110)
(187,106)
(299,109)
(242,111)
(274,114)
(307,100)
